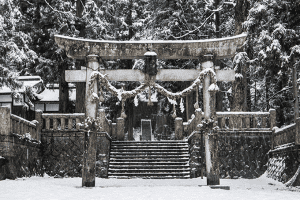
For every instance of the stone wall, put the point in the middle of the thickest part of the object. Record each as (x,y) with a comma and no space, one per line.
(23,158)
(243,155)
(283,163)
(197,160)
(240,154)
(63,154)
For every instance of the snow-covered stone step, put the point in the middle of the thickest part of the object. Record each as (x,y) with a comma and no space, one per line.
(147,170)
(156,163)
(148,150)
(148,160)
(148,144)
(153,142)
(158,174)
(148,147)
(150,177)
(151,153)
(149,166)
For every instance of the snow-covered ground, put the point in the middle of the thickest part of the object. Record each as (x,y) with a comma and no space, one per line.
(187,189)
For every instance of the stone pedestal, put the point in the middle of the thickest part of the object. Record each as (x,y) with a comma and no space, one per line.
(120,129)
(89,159)
(213,174)
(5,127)
(178,128)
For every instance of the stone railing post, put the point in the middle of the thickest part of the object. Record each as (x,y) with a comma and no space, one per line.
(90,139)
(101,115)
(272,118)
(114,131)
(297,136)
(178,128)
(5,130)
(39,125)
(198,116)
(120,129)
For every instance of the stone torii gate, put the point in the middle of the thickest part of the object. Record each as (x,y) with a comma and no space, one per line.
(96,50)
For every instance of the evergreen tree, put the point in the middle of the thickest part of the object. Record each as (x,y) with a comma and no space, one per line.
(15,50)
(272,34)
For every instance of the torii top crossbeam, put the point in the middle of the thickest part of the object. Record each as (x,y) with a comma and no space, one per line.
(78,48)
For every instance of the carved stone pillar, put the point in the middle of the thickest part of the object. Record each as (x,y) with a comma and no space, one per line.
(211,147)
(90,147)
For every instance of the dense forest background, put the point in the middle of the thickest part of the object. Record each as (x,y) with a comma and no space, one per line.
(27,46)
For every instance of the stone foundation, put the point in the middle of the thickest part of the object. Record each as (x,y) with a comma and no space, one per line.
(240,155)
(283,163)
(63,154)
(23,158)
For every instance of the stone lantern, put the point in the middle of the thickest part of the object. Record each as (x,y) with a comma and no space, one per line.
(150,63)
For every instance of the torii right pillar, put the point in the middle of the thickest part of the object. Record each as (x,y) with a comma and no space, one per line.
(211,147)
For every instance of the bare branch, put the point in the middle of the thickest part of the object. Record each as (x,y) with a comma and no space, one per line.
(197,29)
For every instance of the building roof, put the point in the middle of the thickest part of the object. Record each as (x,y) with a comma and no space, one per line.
(52,95)
(27,81)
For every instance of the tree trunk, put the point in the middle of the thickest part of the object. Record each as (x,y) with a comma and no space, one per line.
(239,88)
(241,12)
(129,63)
(63,91)
(219,94)
(80,7)
(80,91)
(80,87)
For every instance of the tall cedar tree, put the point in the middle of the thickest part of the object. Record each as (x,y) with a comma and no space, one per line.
(273,33)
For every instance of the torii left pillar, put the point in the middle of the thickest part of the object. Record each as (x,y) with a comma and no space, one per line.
(90,138)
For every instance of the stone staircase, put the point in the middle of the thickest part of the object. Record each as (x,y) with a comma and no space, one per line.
(149,159)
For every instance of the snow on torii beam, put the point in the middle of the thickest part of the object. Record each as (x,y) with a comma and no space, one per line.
(78,48)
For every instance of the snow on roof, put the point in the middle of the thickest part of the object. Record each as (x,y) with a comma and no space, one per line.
(150,53)
(26,80)
(5,89)
(151,41)
(53,95)
(56,85)
(30,80)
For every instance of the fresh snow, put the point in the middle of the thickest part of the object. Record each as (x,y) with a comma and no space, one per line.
(70,188)
(150,41)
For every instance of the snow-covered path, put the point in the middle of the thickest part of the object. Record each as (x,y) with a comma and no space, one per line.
(118,189)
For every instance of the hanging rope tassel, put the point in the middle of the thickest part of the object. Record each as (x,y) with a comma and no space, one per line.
(101,95)
(196,105)
(149,101)
(174,111)
(181,105)
(123,115)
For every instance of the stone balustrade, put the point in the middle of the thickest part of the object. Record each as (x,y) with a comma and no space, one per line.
(284,136)
(63,122)
(246,120)
(232,121)
(22,126)
(191,125)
